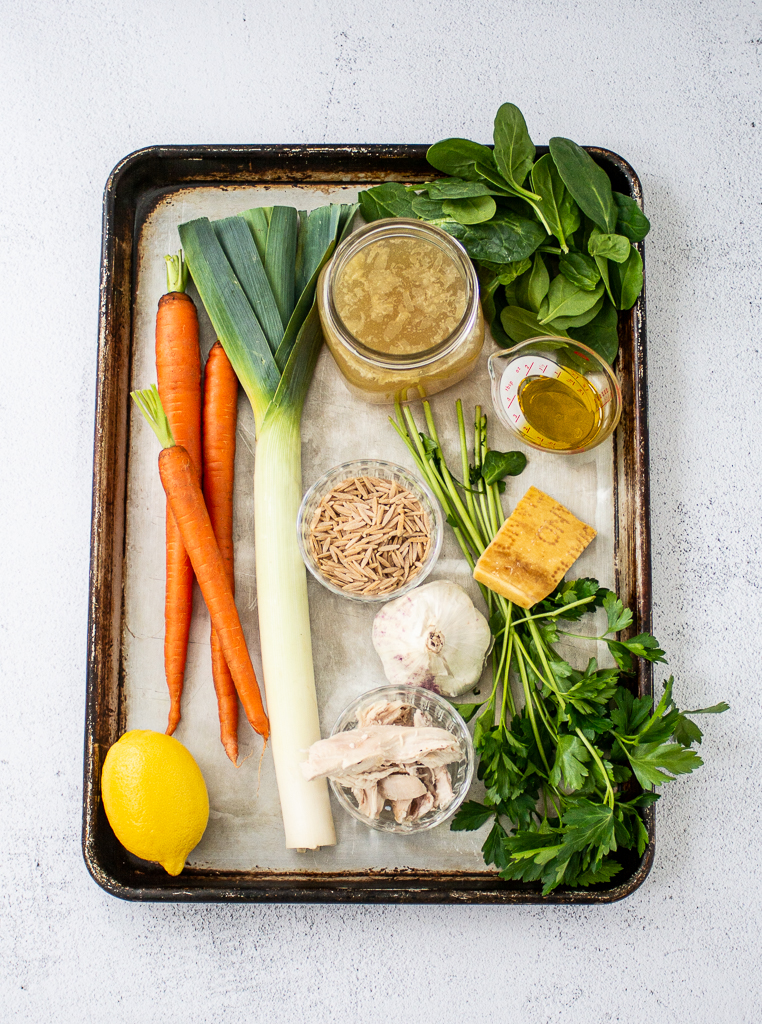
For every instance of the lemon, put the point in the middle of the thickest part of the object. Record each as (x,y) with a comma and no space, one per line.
(155,797)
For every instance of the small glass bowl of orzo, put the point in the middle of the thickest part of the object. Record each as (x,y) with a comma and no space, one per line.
(369,530)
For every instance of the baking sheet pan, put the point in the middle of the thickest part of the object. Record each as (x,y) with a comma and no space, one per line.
(242,855)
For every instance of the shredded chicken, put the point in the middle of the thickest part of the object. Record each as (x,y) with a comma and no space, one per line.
(394,760)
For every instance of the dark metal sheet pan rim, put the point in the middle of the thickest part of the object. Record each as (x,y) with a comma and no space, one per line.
(141,177)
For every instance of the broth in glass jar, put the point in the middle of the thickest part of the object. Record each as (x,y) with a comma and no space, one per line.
(399,306)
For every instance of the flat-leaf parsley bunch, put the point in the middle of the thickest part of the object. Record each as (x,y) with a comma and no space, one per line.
(567,774)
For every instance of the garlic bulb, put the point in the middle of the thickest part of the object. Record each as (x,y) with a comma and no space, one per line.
(432,637)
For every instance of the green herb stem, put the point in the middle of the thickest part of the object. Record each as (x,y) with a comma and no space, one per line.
(464,459)
(558,611)
(530,706)
(609,798)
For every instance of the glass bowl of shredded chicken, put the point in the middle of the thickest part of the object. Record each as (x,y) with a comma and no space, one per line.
(400,759)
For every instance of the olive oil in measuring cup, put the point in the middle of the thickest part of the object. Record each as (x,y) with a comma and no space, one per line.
(550,404)
(564,410)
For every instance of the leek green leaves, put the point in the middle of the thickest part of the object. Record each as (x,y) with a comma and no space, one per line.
(256,275)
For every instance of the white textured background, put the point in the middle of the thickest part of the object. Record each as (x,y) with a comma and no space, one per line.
(672,85)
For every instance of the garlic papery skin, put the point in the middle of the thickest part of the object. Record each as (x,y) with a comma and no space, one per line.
(433,637)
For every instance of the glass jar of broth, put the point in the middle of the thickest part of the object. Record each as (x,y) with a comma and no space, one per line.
(399,306)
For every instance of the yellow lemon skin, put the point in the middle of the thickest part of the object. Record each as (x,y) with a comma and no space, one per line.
(155,797)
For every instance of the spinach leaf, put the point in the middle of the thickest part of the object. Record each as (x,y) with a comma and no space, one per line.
(612,247)
(556,204)
(588,183)
(580,269)
(520,324)
(493,299)
(457,188)
(459,157)
(504,272)
(565,322)
(630,221)
(603,266)
(571,215)
(498,465)
(566,299)
(491,174)
(389,200)
(601,334)
(369,208)
(514,150)
(505,238)
(475,210)
(627,280)
(426,209)
(532,288)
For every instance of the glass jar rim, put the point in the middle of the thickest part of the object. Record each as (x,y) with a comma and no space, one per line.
(403,227)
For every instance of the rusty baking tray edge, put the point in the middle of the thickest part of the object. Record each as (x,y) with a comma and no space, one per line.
(134,186)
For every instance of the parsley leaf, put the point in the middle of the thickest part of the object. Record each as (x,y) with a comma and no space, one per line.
(471,815)
(571,753)
(494,848)
(630,712)
(643,645)
(619,617)
(467,711)
(654,763)
(603,872)
(589,824)
(686,731)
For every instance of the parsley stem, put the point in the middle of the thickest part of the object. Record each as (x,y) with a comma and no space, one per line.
(504,669)
(550,796)
(582,636)
(537,672)
(558,611)
(541,651)
(530,707)
(480,423)
(464,459)
(609,797)
(462,513)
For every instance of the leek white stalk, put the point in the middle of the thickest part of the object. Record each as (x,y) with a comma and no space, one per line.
(284,630)
(242,303)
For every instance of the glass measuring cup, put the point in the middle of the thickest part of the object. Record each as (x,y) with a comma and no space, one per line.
(555,394)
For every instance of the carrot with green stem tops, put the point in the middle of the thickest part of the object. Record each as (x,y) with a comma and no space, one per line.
(178,368)
(220,414)
(186,500)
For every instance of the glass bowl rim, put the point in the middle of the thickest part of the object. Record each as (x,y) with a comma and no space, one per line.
(437,528)
(342,795)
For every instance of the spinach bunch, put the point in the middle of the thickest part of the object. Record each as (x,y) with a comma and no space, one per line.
(555,258)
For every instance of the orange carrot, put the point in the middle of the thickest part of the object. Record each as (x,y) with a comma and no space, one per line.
(178,367)
(186,499)
(220,414)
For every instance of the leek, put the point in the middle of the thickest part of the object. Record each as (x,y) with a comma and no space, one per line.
(249,270)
